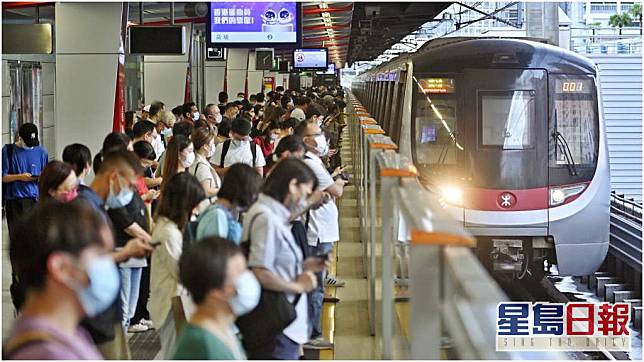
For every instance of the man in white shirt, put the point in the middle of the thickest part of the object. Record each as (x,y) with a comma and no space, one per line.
(323,223)
(238,149)
(301,104)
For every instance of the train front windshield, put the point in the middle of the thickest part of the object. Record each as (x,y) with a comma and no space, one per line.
(436,129)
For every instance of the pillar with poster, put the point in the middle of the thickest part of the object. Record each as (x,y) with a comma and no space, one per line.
(269,84)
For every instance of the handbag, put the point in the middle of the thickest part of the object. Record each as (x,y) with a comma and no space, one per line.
(262,325)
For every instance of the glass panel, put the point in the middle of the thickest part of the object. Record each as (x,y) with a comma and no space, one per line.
(576,121)
(507,119)
(435,131)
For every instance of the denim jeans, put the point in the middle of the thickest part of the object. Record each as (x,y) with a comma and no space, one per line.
(316,296)
(285,348)
(130,286)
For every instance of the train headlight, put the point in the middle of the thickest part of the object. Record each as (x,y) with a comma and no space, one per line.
(452,195)
(559,195)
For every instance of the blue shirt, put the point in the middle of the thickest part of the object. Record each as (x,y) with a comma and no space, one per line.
(23,160)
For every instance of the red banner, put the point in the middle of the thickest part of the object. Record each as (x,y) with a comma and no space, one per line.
(118,121)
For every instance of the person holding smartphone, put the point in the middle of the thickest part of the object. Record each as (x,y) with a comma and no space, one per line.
(22,163)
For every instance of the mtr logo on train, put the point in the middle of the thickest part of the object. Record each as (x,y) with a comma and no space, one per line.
(524,326)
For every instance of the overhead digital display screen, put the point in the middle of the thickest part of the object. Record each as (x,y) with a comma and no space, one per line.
(312,58)
(438,85)
(573,86)
(233,24)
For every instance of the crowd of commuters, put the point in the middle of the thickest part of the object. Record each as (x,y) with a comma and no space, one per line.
(228,213)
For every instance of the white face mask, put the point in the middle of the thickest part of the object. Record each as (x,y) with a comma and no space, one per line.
(248,292)
(323,147)
(190,158)
(218,118)
(195,116)
(211,152)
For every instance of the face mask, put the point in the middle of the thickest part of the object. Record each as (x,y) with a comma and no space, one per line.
(69,195)
(211,152)
(247,294)
(240,142)
(195,116)
(167,132)
(190,158)
(103,286)
(115,201)
(218,118)
(322,148)
(274,137)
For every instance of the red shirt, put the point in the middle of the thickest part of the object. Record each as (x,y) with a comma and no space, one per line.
(141,188)
(267,147)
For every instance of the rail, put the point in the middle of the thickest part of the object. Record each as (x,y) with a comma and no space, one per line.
(626,230)
(452,296)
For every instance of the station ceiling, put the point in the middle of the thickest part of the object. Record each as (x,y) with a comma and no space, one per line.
(352,31)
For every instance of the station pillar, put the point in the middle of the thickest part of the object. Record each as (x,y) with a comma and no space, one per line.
(88,46)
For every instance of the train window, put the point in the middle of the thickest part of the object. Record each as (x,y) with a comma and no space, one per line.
(507,119)
(435,123)
(575,121)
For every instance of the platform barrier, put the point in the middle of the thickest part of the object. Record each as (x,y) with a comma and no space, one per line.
(452,296)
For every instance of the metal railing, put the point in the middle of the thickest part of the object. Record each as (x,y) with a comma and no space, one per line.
(452,296)
(626,230)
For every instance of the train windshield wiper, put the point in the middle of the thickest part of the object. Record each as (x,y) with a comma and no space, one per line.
(560,141)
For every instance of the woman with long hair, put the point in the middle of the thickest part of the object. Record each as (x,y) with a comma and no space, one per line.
(178,157)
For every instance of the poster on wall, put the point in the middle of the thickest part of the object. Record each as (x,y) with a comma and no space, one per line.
(253,24)
(269,84)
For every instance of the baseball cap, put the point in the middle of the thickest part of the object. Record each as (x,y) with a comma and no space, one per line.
(241,125)
(29,134)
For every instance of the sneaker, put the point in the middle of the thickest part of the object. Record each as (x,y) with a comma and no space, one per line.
(331,281)
(318,343)
(137,328)
(146,322)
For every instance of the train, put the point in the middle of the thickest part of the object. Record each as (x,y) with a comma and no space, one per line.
(510,134)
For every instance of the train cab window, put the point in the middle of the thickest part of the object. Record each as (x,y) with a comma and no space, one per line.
(576,129)
(507,119)
(435,131)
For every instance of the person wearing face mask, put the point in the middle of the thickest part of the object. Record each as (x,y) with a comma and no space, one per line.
(178,157)
(22,163)
(182,194)
(204,145)
(214,272)
(238,192)
(190,113)
(238,149)
(266,141)
(58,181)
(80,158)
(213,115)
(68,274)
(276,258)
(147,182)
(147,131)
(323,228)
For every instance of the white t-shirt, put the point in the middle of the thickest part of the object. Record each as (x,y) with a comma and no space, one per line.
(158,146)
(323,221)
(298,113)
(238,152)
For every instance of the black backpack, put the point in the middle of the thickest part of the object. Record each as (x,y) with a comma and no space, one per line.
(226,146)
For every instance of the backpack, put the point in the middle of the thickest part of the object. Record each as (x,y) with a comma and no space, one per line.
(226,146)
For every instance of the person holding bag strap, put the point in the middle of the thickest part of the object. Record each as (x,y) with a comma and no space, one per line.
(272,330)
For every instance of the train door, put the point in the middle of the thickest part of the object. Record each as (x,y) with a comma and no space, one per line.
(508,156)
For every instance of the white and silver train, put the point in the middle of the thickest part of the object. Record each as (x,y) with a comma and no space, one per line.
(510,133)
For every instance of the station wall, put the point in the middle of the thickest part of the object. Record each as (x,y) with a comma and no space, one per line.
(621,82)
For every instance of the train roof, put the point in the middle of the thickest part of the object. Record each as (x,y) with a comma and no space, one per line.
(456,54)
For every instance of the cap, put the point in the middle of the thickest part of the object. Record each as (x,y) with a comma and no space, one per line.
(29,134)
(146,108)
(241,125)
